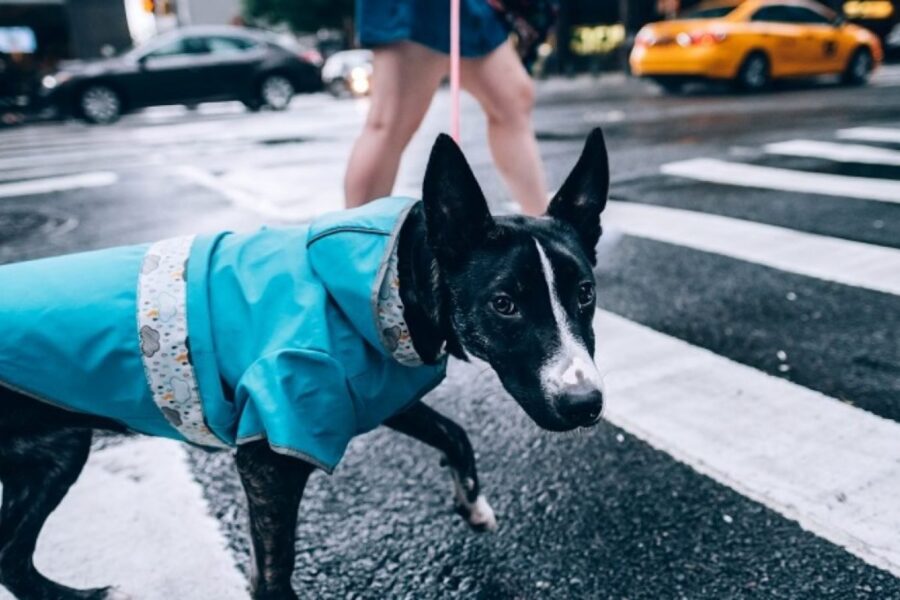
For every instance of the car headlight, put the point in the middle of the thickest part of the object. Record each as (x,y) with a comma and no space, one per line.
(52,81)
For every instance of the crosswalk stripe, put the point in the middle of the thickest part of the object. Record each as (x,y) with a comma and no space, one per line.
(833,468)
(729,173)
(871,134)
(842,261)
(851,153)
(57,184)
(137,519)
(69,157)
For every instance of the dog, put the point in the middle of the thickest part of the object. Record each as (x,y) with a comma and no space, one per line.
(379,295)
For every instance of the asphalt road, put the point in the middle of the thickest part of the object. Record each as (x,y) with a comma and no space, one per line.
(633,508)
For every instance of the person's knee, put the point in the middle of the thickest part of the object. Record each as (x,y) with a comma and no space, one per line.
(392,126)
(515,105)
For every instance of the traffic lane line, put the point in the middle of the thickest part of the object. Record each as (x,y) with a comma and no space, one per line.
(853,153)
(832,468)
(136,519)
(754,176)
(842,261)
(866,221)
(889,135)
(57,184)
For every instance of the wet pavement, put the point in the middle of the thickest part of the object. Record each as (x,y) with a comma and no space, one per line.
(608,513)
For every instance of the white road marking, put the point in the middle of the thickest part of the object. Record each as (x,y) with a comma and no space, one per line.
(871,134)
(886,75)
(842,261)
(570,368)
(272,193)
(57,184)
(771,178)
(833,468)
(852,153)
(136,519)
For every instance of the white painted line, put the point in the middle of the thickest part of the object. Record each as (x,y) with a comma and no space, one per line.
(275,192)
(850,153)
(136,519)
(871,134)
(771,178)
(842,261)
(57,184)
(833,468)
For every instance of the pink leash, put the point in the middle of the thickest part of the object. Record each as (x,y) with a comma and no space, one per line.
(454,69)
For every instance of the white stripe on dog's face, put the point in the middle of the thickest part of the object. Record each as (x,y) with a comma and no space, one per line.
(570,370)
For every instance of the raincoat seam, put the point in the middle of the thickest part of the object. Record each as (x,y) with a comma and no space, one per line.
(343,229)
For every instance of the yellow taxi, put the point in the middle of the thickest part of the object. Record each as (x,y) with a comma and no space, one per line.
(753,42)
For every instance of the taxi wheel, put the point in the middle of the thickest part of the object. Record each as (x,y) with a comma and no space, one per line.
(859,67)
(754,76)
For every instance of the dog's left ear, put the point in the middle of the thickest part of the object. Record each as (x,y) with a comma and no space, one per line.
(456,211)
(582,197)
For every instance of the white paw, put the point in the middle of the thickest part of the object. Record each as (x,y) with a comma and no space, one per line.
(481,515)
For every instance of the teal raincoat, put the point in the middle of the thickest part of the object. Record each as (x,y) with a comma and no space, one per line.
(295,335)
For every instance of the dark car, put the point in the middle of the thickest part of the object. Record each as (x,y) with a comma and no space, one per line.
(186,66)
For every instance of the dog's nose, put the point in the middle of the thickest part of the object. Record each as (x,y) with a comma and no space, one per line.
(582,408)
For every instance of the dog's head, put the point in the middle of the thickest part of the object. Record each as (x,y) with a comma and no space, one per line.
(519,291)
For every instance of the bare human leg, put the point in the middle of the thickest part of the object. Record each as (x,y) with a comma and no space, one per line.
(404,80)
(506,93)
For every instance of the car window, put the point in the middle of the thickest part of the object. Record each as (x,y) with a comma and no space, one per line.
(195,45)
(801,14)
(181,46)
(713,12)
(781,13)
(228,45)
(170,49)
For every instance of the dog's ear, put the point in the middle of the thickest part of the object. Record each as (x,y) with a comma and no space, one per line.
(582,197)
(456,211)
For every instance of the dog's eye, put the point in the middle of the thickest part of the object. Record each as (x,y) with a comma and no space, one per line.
(586,294)
(504,305)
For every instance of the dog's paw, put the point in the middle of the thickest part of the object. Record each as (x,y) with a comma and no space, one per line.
(479,514)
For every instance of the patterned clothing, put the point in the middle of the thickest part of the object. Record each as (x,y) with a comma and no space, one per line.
(295,335)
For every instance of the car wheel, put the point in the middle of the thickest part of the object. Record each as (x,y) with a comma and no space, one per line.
(276,92)
(252,105)
(754,75)
(859,67)
(99,104)
(337,88)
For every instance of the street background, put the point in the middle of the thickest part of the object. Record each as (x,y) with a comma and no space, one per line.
(748,334)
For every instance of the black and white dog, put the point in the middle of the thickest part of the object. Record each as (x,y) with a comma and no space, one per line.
(516,292)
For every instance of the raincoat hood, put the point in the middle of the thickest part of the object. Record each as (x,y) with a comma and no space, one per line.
(345,254)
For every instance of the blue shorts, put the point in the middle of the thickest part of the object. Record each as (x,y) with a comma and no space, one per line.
(427,22)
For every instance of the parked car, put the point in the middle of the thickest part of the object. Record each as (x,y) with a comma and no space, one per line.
(348,73)
(185,66)
(753,42)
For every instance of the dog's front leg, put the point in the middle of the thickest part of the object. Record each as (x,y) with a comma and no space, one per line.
(274,485)
(431,427)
